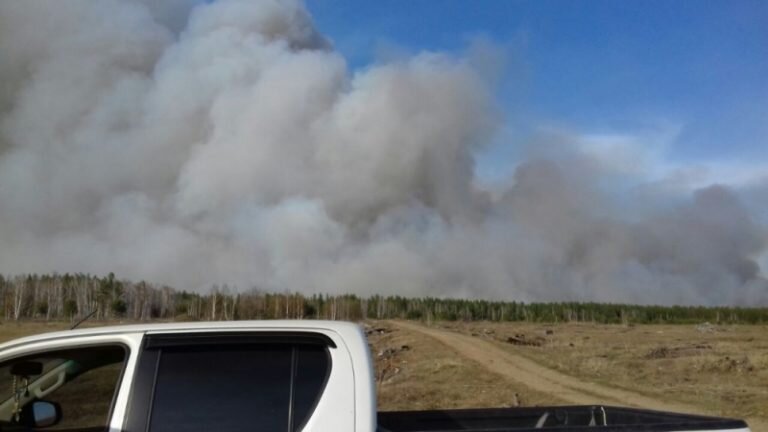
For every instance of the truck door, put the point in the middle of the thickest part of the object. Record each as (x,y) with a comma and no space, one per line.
(228,382)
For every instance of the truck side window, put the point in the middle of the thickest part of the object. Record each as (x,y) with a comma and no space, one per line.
(82,382)
(255,388)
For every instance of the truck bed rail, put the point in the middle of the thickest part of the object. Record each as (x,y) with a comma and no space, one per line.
(552,419)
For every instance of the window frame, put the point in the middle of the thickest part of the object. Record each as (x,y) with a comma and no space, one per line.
(63,348)
(329,366)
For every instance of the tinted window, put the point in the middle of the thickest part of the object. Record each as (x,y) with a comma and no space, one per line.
(234,388)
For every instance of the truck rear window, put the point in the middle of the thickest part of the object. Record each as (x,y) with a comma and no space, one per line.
(260,387)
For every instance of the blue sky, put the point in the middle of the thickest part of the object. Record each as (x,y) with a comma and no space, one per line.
(696,68)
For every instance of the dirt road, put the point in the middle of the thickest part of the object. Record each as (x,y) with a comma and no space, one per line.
(535,376)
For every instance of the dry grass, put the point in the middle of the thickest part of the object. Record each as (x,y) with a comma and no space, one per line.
(10,330)
(429,375)
(722,370)
(85,402)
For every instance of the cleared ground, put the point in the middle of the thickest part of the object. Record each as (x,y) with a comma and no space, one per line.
(416,371)
(699,369)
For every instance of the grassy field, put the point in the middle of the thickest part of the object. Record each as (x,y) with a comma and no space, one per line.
(13,330)
(721,370)
(415,372)
(718,370)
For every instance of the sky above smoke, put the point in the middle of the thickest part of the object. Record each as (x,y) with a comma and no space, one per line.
(230,143)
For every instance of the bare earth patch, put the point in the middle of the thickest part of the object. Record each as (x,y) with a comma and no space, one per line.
(713,370)
(429,374)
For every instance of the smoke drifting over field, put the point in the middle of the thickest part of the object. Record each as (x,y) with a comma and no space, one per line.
(228,142)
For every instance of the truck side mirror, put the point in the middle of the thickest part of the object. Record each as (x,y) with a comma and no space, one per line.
(41,414)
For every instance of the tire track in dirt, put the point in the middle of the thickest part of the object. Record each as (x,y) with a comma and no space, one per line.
(541,378)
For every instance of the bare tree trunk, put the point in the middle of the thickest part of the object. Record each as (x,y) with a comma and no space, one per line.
(235,301)
(18,297)
(214,298)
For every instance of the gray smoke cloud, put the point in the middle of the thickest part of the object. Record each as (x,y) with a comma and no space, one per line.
(192,144)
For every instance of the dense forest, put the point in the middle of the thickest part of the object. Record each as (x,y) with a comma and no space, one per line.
(74,296)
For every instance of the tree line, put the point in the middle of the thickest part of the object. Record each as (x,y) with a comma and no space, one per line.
(73,296)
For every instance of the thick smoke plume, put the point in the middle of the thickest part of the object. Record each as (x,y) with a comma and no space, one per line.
(227,142)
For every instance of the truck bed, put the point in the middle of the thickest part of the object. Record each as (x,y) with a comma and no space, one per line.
(554,419)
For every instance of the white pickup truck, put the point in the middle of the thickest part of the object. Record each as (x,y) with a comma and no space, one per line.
(262,376)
